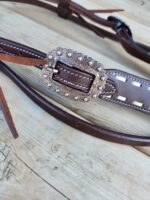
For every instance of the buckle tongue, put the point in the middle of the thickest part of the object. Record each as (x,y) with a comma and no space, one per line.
(74,75)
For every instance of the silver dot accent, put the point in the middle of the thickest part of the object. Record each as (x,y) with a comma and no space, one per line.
(90,63)
(69,54)
(50,57)
(94,95)
(59,53)
(66,94)
(85,99)
(99,69)
(80,58)
(103,78)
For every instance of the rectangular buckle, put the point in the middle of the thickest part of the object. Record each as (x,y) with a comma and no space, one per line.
(74,75)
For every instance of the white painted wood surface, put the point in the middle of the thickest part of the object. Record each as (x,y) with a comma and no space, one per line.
(51,160)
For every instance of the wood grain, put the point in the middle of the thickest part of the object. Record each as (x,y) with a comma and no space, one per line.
(54,161)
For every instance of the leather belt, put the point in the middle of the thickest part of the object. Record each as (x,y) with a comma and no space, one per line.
(80,77)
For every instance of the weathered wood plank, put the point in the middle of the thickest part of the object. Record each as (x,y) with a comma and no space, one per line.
(77,165)
(17,179)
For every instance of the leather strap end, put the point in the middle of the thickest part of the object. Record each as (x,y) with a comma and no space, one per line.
(106,11)
(7,114)
(22,60)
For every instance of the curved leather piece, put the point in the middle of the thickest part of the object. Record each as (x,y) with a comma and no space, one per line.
(73,11)
(73,121)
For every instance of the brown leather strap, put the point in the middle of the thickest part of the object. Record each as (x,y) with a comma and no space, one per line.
(22,60)
(127,90)
(121,88)
(20,54)
(73,11)
(7,114)
(73,121)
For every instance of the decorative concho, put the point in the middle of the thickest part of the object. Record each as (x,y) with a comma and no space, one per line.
(79,61)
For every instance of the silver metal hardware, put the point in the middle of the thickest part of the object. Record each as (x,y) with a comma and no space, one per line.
(79,61)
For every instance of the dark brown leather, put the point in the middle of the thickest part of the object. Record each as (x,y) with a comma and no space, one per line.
(63,9)
(15,49)
(73,121)
(74,78)
(75,13)
(134,89)
(7,114)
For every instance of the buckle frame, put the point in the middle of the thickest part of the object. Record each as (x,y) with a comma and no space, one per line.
(82,62)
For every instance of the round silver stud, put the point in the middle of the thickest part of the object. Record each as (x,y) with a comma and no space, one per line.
(103,78)
(57,90)
(80,58)
(85,99)
(94,95)
(50,57)
(76,98)
(99,69)
(66,94)
(90,63)
(59,53)
(69,54)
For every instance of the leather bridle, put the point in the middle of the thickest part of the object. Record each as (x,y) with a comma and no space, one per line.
(70,10)
(76,13)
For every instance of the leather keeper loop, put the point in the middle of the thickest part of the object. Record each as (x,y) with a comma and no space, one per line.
(120,25)
(63,8)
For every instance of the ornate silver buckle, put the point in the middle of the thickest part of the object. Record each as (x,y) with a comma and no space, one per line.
(78,61)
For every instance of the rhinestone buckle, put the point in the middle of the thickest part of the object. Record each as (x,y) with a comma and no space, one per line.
(78,61)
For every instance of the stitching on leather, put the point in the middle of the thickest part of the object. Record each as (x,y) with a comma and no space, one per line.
(133,79)
(23,50)
(129,77)
(112,87)
(127,104)
(2,51)
(72,73)
(65,81)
